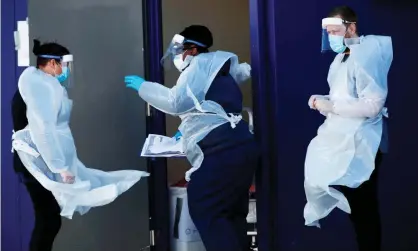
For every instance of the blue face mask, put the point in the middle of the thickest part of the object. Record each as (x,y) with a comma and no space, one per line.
(64,75)
(337,43)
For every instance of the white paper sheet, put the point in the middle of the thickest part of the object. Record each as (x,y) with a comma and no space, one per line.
(162,146)
(22,43)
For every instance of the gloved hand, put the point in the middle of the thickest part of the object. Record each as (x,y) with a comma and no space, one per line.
(67,177)
(177,135)
(313,98)
(134,82)
(324,106)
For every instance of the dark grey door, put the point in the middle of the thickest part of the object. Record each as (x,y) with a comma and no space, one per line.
(108,121)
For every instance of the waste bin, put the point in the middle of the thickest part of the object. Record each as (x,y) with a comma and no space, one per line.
(183,232)
(184,235)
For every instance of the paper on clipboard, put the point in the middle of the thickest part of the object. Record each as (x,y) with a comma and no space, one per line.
(162,146)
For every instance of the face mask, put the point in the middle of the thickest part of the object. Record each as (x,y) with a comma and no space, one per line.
(64,75)
(337,43)
(181,64)
(178,61)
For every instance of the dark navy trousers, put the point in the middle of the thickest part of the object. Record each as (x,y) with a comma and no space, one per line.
(218,195)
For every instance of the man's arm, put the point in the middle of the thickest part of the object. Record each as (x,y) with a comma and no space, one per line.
(370,101)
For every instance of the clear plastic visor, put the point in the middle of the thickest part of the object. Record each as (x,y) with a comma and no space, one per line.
(174,48)
(67,64)
(332,26)
(67,67)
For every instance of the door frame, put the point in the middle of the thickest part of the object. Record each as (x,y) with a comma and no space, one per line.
(157,167)
(264,61)
(13,234)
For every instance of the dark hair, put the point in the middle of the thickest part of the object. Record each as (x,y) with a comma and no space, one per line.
(49,49)
(345,12)
(198,33)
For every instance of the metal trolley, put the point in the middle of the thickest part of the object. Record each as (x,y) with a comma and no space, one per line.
(252,215)
(252,220)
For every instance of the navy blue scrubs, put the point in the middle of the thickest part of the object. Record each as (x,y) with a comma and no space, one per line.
(218,192)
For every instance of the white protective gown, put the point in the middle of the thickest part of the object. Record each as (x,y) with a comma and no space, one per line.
(46,148)
(187,100)
(343,153)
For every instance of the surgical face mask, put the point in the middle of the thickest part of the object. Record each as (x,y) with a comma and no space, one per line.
(64,75)
(180,63)
(337,43)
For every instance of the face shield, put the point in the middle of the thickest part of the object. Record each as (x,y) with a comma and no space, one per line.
(175,51)
(67,74)
(66,78)
(333,34)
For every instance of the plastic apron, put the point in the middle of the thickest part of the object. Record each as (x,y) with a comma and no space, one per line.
(343,153)
(207,115)
(91,188)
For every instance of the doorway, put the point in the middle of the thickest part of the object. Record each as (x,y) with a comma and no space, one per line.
(230,33)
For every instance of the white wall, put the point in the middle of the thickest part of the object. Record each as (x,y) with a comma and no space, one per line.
(230,25)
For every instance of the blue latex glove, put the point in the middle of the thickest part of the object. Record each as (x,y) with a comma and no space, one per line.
(134,82)
(177,135)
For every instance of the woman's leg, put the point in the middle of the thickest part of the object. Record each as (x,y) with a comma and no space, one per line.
(47,217)
(365,214)
(215,197)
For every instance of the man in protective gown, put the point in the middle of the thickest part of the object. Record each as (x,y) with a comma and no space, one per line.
(342,160)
